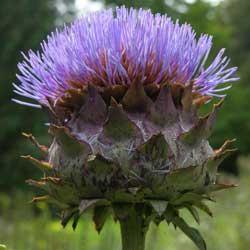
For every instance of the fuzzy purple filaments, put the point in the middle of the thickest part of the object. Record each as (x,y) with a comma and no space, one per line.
(110,48)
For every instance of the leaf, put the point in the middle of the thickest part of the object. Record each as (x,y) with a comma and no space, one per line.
(2,247)
(220,154)
(219,186)
(202,129)
(42,165)
(39,184)
(49,199)
(183,179)
(193,211)
(66,216)
(202,206)
(188,197)
(63,191)
(75,220)
(33,140)
(99,217)
(191,232)
(71,146)
(159,206)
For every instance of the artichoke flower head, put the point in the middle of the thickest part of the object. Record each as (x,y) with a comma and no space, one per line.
(123,91)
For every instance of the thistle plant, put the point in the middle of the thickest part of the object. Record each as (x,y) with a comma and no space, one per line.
(123,91)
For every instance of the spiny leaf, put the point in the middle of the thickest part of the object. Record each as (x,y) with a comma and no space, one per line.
(75,220)
(202,129)
(99,216)
(42,165)
(31,138)
(67,214)
(225,146)
(50,199)
(192,233)
(62,190)
(38,184)
(71,146)
(188,197)
(219,186)
(213,163)
(193,211)
(202,206)
(184,179)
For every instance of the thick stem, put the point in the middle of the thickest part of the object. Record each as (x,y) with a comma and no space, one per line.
(133,230)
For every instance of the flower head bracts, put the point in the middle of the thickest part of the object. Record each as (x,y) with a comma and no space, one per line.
(107,48)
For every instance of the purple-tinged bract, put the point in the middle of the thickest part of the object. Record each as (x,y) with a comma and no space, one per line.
(109,48)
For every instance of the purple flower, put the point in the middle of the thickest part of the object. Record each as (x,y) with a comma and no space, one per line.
(106,48)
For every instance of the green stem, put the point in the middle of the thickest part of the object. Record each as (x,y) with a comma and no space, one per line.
(133,230)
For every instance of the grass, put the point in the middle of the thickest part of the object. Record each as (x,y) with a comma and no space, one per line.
(24,228)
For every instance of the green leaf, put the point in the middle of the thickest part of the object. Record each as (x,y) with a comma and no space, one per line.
(183,179)
(75,220)
(193,211)
(99,217)
(66,216)
(202,206)
(188,197)
(191,232)
(2,247)
(219,186)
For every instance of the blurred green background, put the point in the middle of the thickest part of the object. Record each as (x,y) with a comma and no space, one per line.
(24,24)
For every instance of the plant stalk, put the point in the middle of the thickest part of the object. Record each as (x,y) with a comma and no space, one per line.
(133,230)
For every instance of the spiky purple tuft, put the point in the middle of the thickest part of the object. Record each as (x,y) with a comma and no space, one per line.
(127,46)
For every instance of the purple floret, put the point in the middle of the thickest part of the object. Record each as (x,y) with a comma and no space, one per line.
(109,48)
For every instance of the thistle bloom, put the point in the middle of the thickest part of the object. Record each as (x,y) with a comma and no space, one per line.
(107,49)
(123,92)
